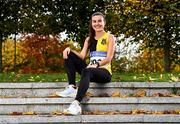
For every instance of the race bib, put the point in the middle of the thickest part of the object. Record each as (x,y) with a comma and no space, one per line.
(97,56)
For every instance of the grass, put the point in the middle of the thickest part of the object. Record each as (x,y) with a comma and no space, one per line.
(146,77)
(117,77)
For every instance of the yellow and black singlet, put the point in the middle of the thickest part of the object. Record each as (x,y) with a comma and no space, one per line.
(98,51)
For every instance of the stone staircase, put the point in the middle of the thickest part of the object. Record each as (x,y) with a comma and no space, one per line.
(115,102)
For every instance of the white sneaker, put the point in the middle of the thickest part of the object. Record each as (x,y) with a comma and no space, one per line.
(74,109)
(69,91)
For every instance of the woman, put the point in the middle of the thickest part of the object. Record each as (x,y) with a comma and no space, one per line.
(101,46)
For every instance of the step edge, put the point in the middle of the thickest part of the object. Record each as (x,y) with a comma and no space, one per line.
(36,85)
(100,100)
(90,118)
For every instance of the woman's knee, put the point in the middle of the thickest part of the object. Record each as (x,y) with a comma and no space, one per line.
(71,57)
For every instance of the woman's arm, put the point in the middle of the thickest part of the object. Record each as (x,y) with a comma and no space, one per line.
(82,54)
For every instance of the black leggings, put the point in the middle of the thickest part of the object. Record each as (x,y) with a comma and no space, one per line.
(75,64)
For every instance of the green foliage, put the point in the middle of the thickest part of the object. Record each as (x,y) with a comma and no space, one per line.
(46,17)
(121,65)
(156,23)
(8,21)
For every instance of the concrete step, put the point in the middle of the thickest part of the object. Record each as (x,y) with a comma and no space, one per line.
(36,89)
(98,119)
(36,97)
(48,105)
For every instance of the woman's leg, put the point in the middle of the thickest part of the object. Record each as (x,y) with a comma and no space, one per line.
(98,75)
(72,65)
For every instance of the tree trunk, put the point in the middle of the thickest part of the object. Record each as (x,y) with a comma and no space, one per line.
(167,46)
(167,58)
(1,55)
(15,53)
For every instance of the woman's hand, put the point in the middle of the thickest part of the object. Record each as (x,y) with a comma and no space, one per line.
(66,52)
(92,66)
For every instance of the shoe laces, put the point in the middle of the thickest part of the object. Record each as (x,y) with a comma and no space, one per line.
(69,86)
(74,103)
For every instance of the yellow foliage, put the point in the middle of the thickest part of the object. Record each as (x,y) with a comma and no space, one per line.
(8,54)
(73,45)
(150,60)
(176,68)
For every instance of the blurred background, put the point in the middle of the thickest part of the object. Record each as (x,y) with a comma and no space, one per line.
(33,33)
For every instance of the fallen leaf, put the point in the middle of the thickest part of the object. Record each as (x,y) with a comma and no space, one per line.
(54,95)
(89,94)
(29,113)
(158,95)
(164,95)
(16,113)
(8,97)
(169,112)
(173,95)
(134,77)
(134,112)
(140,93)
(57,112)
(31,79)
(152,79)
(87,113)
(116,94)
(97,112)
(177,111)
(175,79)
(104,95)
(158,112)
(161,76)
(57,80)
(125,112)
(137,111)
(113,112)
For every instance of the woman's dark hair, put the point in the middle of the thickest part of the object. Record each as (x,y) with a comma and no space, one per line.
(91,30)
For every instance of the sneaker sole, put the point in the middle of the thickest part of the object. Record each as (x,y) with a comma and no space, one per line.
(68,113)
(70,95)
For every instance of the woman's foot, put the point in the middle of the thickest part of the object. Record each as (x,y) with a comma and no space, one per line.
(74,109)
(70,91)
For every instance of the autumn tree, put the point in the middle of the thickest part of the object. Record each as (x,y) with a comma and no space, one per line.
(53,17)
(8,55)
(43,53)
(156,23)
(8,21)
(46,17)
(74,16)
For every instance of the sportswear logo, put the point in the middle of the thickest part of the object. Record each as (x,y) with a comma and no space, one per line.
(103,42)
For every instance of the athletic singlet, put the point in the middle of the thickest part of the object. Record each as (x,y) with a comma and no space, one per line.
(98,51)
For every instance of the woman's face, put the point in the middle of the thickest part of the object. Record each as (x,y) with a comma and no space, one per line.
(98,23)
